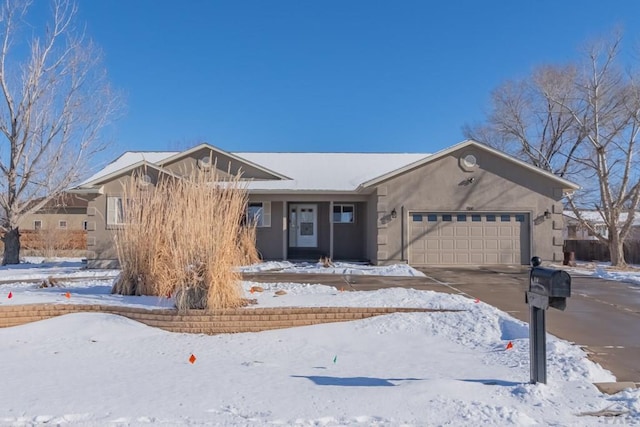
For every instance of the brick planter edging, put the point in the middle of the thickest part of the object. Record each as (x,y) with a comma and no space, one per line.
(208,322)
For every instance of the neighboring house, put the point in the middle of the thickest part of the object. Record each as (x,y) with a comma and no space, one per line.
(468,204)
(67,212)
(573,230)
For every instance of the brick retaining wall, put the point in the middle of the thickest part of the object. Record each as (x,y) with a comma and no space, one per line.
(205,322)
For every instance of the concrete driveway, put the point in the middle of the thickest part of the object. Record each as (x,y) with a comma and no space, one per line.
(602,316)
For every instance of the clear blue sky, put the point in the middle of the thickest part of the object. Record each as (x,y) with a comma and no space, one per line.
(401,76)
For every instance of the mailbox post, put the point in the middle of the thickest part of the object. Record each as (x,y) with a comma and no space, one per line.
(547,288)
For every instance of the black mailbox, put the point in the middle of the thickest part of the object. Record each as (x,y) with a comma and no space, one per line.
(549,282)
(548,287)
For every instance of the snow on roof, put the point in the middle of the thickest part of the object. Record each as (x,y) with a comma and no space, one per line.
(127,159)
(308,171)
(326,171)
(594,217)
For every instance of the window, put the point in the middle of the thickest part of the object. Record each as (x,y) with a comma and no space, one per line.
(476,218)
(417,218)
(62,224)
(462,218)
(37,225)
(432,217)
(343,213)
(115,210)
(491,218)
(505,218)
(446,218)
(572,231)
(520,218)
(259,213)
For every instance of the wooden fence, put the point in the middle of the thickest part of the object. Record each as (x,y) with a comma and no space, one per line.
(593,250)
(51,241)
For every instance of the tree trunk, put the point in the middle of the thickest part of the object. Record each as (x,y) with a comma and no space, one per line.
(11,241)
(616,250)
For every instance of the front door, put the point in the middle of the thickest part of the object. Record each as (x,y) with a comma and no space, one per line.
(303,226)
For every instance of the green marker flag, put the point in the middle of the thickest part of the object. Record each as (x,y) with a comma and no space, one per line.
(335,358)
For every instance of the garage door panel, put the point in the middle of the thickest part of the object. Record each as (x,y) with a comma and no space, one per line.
(463,238)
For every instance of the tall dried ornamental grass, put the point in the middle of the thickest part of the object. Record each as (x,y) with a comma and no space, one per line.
(184,237)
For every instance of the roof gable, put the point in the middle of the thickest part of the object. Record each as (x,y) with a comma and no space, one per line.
(204,146)
(567,185)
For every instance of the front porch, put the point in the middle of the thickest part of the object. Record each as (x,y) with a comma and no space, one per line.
(309,230)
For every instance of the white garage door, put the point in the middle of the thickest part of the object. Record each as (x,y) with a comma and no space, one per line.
(468,238)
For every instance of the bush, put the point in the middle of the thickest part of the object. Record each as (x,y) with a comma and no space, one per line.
(184,237)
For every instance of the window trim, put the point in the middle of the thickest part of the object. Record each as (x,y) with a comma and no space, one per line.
(265,217)
(113,219)
(37,224)
(342,206)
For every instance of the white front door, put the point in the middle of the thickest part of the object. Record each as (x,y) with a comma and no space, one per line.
(303,226)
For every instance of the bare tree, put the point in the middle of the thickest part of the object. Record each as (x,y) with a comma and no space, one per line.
(54,102)
(581,122)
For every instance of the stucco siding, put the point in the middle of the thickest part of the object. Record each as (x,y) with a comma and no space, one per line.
(269,239)
(494,185)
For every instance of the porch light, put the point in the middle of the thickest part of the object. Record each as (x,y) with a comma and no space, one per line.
(394,214)
(547,214)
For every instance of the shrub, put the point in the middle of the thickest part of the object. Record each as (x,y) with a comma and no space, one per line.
(184,237)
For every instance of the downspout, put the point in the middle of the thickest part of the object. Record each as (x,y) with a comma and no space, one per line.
(402,236)
(331,229)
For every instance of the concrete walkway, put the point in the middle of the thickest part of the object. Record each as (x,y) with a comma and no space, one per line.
(602,316)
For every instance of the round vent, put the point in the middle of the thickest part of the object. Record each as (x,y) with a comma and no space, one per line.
(469,160)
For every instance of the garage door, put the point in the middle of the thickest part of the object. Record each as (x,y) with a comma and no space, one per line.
(465,238)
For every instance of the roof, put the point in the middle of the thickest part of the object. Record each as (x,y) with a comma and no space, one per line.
(328,172)
(308,171)
(595,218)
(126,160)
(566,184)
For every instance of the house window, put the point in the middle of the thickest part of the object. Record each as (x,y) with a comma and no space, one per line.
(259,213)
(476,218)
(572,231)
(462,218)
(343,214)
(417,218)
(432,217)
(491,218)
(505,218)
(37,225)
(115,210)
(62,224)
(520,218)
(446,218)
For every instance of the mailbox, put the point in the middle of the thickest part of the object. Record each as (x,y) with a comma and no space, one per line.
(548,287)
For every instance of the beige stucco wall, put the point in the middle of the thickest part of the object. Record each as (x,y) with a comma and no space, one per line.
(75,218)
(499,185)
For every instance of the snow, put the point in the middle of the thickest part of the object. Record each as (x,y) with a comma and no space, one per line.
(604,270)
(327,171)
(308,171)
(335,268)
(443,368)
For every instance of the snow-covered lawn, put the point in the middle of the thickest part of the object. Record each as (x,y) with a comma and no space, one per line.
(449,368)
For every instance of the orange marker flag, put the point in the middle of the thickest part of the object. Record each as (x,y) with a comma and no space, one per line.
(252,290)
(10,295)
(509,346)
(477,300)
(68,295)
(192,359)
